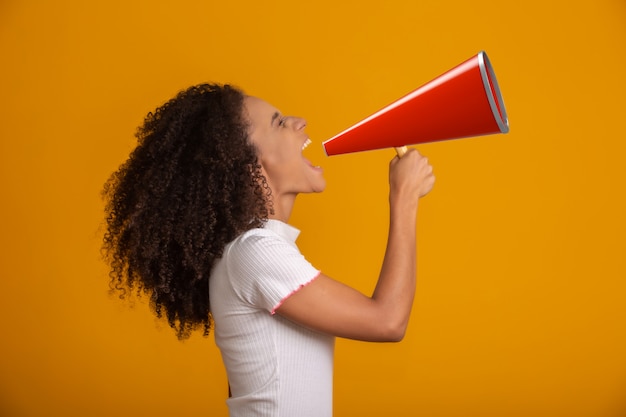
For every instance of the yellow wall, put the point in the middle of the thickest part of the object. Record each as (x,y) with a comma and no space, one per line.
(521,307)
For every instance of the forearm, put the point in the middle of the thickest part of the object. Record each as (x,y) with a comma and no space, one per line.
(395,290)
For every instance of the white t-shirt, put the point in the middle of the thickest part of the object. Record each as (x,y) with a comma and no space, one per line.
(275,368)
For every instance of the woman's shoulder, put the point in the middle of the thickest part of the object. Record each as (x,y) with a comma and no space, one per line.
(250,241)
(271,229)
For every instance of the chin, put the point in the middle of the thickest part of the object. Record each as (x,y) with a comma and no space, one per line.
(320,188)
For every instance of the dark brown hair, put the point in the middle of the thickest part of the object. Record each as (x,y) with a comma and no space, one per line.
(192,184)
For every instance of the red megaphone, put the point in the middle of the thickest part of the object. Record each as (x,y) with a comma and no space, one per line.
(462,102)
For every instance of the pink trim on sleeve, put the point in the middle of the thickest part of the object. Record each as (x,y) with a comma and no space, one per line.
(277,306)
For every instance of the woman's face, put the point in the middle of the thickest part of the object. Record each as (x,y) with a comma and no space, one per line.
(280,141)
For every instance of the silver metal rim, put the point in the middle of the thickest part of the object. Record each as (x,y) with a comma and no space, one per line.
(485,65)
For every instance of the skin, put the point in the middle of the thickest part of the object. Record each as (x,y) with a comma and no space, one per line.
(327,305)
(280,140)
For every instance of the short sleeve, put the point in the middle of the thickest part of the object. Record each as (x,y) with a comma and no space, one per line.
(265,269)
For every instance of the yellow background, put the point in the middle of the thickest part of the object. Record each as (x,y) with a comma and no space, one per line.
(521,303)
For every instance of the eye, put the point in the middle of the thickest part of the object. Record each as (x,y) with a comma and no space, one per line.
(282,121)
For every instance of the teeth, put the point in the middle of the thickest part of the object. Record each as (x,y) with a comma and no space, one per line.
(307,143)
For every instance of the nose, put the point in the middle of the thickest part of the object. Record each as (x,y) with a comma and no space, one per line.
(297,123)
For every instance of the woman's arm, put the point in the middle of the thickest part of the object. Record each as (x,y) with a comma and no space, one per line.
(331,307)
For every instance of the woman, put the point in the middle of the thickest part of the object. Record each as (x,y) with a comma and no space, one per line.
(198,219)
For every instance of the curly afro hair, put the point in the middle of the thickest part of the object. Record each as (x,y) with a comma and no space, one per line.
(192,184)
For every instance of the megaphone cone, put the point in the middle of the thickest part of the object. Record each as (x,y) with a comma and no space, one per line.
(463,102)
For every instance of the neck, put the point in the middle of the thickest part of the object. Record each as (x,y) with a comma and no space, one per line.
(283,206)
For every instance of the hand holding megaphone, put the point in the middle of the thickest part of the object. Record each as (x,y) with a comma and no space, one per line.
(410,178)
(463,102)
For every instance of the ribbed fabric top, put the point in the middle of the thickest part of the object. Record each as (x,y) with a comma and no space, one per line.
(276,368)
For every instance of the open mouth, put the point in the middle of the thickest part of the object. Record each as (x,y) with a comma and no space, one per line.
(305,145)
